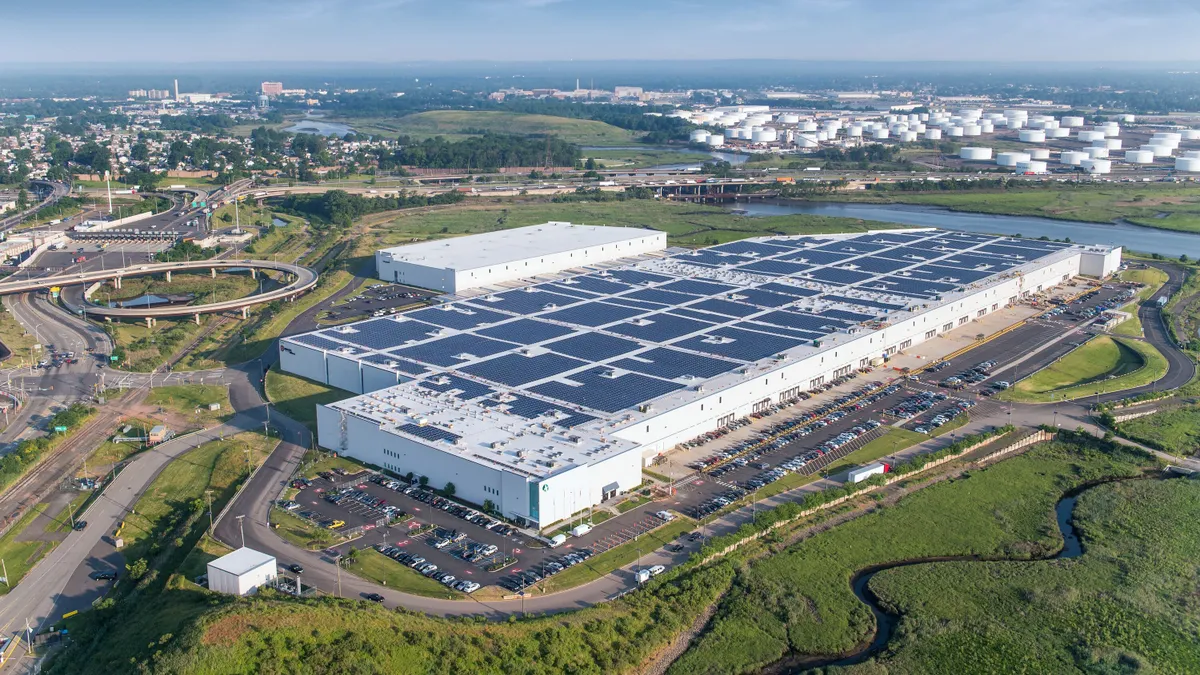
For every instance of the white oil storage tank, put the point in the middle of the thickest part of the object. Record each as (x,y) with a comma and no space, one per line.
(975,154)
(1012,158)
(1039,153)
(1032,166)
(789,118)
(698,136)
(933,134)
(907,136)
(809,141)
(1032,136)
(1071,121)
(1072,158)
(764,136)
(1110,143)
(880,134)
(1159,150)
(1190,134)
(1139,156)
(1192,154)
(715,140)
(1058,132)
(854,131)
(1096,153)
(954,132)
(1089,136)
(972,130)
(1097,166)
(1189,164)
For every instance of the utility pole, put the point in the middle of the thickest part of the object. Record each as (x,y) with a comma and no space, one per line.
(208,495)
(241,529)
(4,567)
(337,562)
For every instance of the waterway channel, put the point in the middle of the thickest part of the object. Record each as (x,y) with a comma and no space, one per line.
(885,622)
(1132,237)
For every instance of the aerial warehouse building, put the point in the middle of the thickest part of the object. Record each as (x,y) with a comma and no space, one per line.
(550,397)
(241,572)
(462,263)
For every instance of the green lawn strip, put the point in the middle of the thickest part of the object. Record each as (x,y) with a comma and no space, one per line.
(205,288)
(594,518)
(1175,431)
(14,336)
(638,159)
(196,562)
(800,600)
(370,564)
(280,314)
(329,463)
(957,422)
(20,556)
(612,559)
(656,476)
(1060,385)
(1127,601)
(192,401)
(470,122)
(1132,326)
(685,224)
(632,503)
(178,493)
(300,532)
(298,397)
(789,482)
(61,521)
(895,440)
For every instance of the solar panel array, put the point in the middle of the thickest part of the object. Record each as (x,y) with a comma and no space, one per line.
(611,340)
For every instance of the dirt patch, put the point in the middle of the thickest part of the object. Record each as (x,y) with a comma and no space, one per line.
(658,663)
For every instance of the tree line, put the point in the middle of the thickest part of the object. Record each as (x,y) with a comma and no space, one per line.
(342,208)
(483,153)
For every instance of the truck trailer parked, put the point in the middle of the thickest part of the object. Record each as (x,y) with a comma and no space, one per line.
(864,472)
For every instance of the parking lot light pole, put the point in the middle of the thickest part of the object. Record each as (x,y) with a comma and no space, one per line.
(241,528)
(208,495)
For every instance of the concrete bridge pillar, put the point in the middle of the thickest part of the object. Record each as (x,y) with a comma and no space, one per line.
(168,276)
(197,318)
(253,273)
(213,271)
(245,312)
(117,282)
(149,322)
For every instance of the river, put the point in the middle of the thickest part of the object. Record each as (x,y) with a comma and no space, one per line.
(1132,237)
(315,125)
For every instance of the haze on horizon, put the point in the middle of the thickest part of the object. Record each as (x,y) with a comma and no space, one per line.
(156,32)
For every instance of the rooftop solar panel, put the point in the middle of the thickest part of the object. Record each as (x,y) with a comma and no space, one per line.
(660,297)
(429,433)
(725,307)
(750,248)
(845,315)
(394,363)
(457,315)
(710,257)
(739,344)
(851,246)
(673,364)
(594,346)
(659,327)
(775,267)
(815,257)
(804,335)
(593,314)
(525,301)
(908,286)
(533,408)
(466,389)
(936,272)
(313,340)
(573,291)
(525,331)
(599,389)
(864,302)
(879,265)
(445,352)
(600,285)
(515,370)
(839,276)
(707,317)
(807,322)
(384,333)
(788,289)
(1012,252)
(696,287)
(757,296)
(637,276)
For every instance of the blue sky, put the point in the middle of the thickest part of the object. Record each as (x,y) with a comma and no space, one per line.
(165,31)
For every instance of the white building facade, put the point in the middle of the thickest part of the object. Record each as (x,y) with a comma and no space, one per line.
(241,572)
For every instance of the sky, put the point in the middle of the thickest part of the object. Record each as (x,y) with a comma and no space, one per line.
(183,31)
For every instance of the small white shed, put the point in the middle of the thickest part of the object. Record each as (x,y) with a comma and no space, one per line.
(241,572)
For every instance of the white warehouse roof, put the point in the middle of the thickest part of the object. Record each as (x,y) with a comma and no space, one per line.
(510,245)
(242,561)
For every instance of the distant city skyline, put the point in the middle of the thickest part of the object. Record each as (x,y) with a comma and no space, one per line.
(133,31)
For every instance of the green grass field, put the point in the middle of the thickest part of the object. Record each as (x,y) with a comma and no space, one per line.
(20,556)
(893,441)
(800,600)
(604,563)
(455,124)
(192,400)
(298,397)
(14,336)
(1175,431)
(639,159)
(370,564)
(1101,364)
(299,532)
(1126,606)
(685,224)
(204,287)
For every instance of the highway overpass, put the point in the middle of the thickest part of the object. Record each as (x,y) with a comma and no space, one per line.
(302,279)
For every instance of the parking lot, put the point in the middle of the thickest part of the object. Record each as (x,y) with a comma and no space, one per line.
(377,300)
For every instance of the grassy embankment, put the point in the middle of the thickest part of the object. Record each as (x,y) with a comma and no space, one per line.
(297,397)
(20,552)
(192,401)
(14,336)
(1103,364)
(640,159)
(1175,431)
(458,124)
(800,599)
(1153,278)
(370,564)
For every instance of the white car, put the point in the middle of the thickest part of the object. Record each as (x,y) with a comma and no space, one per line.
(657,570)
(665,516)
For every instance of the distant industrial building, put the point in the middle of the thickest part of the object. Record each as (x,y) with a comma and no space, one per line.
(272,88)
(241,572)
(550,398)
(458,264)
